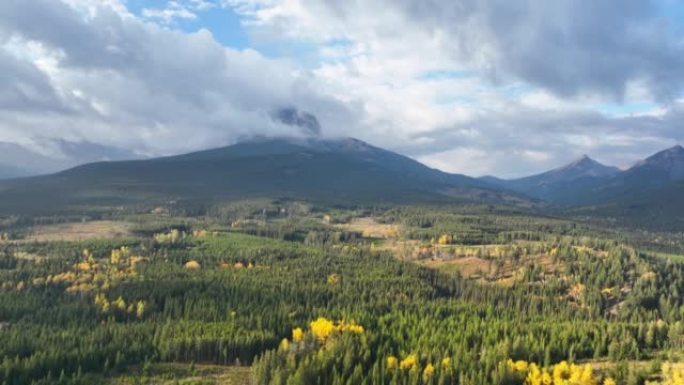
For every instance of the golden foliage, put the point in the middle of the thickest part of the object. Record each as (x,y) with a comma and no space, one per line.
(520,366)
(672,374)
(445,239)
(577,291)
(118,254)
(134,260)
(199,233)
(83,266)
(64,277)
(561,374)
(284,345)
(607,291)
(333,279)
(174,236)
(446,363)
(120,304)
(297,335)
(322,328)
(81,288)
(428,372)
(100,299)
(192,265)
(409,362)
(349,327)
(392,362)
(87,255)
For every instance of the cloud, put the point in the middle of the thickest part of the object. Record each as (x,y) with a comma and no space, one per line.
(472,86)
(304,120)
(526,140)
(179,9)
(168,14)
(447,82)
(24,87)
(569,47)
(107,77)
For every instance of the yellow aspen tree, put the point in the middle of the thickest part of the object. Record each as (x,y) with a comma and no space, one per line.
(322,328)
(428,372)
(392,362)
(409,362)
(297,335)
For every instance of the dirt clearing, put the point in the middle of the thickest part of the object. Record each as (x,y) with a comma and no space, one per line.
(80,231)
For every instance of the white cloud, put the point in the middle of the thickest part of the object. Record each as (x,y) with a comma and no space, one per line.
(168,14)
(174,10)
(469,161)
(135,85)
(468,85)
(521,77)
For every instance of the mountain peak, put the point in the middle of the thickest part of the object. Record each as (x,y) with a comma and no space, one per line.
(316,169)
(677,149)
(583,160)
(669,161)
(586,166)
(672,153)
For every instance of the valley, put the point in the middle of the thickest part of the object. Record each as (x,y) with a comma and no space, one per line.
(321,192)
(288,292)
(267,263)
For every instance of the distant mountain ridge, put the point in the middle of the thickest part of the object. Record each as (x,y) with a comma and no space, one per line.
(560,184)
(335,170)
(9,172)
(667,165)
(348,171)
(18,160)
(584,167)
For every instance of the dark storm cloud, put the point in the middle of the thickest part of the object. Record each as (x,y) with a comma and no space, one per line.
(304,120)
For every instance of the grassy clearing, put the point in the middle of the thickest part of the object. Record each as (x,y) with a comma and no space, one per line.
(369,228)
(672,257)
(183,374)
(80,231)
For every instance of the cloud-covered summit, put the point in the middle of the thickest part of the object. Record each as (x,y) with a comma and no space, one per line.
(107,77)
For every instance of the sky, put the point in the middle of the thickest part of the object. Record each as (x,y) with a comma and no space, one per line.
(502,87)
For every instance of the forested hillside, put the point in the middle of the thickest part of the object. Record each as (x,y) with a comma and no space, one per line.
(332,171)
(321,295)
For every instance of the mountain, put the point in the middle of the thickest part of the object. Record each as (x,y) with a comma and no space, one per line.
(342,171)
(559,185)
(17,160)
(9,172)
(651,192)
(658,170)
(661,170)
(586,182)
